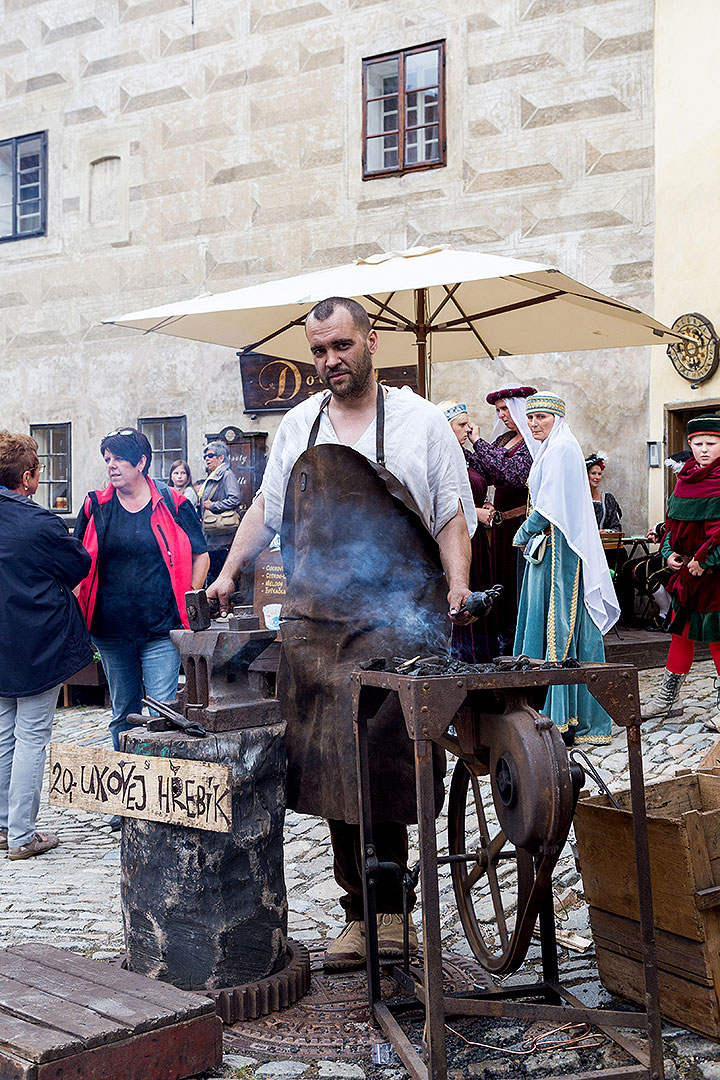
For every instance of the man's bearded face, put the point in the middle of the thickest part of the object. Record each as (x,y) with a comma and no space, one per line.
(341,354)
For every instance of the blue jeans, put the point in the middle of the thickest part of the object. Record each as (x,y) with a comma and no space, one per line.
(135,670)
(25,729)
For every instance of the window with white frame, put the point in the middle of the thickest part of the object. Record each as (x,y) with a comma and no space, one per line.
(23,186)
(55,488)
(404,111)
(167,436)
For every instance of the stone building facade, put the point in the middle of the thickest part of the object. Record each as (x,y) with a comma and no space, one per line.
(197,147)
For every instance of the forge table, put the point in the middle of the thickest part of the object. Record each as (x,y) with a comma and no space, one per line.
(453,711)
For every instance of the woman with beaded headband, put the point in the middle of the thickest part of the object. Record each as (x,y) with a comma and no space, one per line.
(505,462)
(691,546)
(477,642)
(567,601)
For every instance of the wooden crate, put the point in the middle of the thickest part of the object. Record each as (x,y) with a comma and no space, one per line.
(711,761)
(64,1017)
(684,836)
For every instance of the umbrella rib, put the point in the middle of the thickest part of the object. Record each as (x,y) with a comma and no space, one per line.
(443,302)
(275,333)
(384,305)
(163,322)
(597,299)
(499,311)
(467,320)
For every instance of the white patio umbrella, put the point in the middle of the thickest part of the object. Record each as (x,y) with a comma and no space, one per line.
(440,303)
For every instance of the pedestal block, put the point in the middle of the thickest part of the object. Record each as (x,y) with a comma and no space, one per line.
(201,909)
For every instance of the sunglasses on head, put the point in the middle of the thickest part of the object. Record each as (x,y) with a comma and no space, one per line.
(121,431)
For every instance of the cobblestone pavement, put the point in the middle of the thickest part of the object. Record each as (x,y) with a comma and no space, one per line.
(70,897)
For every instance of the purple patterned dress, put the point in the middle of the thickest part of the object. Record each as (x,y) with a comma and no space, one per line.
(508,470)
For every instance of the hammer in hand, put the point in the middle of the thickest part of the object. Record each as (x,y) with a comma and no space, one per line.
(202,609)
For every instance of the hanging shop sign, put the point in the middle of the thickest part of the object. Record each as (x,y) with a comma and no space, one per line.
(697,359)
(274,384)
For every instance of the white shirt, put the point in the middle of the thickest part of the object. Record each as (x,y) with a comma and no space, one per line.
(420,450)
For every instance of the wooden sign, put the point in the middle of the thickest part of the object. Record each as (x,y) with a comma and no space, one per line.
(269,588)
(275,384)
(196,794)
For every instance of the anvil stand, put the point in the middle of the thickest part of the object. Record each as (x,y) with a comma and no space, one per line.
(429,706)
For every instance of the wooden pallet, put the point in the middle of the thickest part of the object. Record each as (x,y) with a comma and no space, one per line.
(64,1017)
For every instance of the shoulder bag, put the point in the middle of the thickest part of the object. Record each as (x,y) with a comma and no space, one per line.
(221,523)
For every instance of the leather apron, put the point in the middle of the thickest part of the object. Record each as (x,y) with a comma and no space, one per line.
(364,579)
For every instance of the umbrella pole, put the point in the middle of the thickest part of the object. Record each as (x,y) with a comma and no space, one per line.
(421,332)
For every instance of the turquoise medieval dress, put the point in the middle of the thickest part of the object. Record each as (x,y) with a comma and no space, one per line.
(554,624)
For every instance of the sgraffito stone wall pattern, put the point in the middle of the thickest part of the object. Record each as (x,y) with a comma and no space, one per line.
(239,147)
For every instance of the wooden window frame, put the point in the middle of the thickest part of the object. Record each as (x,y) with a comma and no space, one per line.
(45,479)
(402,167)
(182,420)
(43,199)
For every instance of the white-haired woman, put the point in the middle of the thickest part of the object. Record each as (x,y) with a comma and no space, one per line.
(567,601)
(220,491)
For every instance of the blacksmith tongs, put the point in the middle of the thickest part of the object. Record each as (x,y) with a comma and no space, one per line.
(169,718)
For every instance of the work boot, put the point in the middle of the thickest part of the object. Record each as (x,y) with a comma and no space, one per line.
(390,936)
(712,722)
(40,843)
(348,949)
(662,703)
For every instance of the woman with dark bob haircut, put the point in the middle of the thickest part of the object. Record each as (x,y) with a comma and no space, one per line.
(147,550)
(43,639)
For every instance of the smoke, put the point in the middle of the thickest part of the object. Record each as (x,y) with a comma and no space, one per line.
(396,596)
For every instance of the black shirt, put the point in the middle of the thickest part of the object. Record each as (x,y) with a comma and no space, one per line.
(135,600)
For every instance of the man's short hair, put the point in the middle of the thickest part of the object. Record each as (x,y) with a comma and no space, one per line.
(219,448)
(18,455)
(322,312)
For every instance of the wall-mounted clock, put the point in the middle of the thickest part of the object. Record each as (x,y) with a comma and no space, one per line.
(698,359)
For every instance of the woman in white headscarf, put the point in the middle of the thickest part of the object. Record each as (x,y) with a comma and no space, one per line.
(567,601)
(505,462)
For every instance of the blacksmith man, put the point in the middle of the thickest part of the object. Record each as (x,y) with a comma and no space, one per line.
(358,483)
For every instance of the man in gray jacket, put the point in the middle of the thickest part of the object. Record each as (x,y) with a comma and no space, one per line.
(220,491)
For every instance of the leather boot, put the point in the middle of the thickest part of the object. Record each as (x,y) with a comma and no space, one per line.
(662,703)
(390,936)
(348,949)
(712,722)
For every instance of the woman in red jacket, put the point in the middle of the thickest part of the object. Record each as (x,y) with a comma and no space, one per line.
(147,550)
(691,546)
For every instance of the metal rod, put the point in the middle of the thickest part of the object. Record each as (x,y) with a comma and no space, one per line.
(645,903)
(403,1047)
(525,1010)
(367,851)
(384,305)
(268,337)
(499,311)
(432,948)
(421,335)
(627,1042)
(474,329)
(548,940)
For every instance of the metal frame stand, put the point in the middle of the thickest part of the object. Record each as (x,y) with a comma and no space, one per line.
(429,706)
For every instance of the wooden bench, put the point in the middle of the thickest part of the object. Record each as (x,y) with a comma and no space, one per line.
(64,1017)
